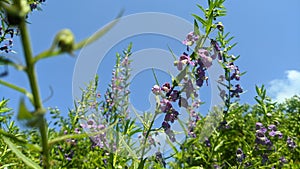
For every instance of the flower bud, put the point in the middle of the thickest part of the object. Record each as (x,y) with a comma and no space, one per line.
(220,26)
(16,12)
(64,40)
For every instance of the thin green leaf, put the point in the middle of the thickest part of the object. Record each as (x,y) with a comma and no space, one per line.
(139,117)
(243,73)
(24,113)
(5,109)
(25,159)
(4,61)
(203,22)
(258,90)
(5,166)
(155,77)
(200,7)
(174,56)
(131,153)
(182,126)
(13,137)
(172,145)
(181,75)
(196,28)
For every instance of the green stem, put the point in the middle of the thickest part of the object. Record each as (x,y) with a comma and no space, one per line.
(19,89)
(50,52)
(141,165)
(31,73)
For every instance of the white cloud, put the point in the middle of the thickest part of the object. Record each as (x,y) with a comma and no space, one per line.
(281,89)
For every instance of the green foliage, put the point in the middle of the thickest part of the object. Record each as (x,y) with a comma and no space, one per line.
(240,133)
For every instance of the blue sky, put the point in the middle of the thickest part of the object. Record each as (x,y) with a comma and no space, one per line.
(267,33)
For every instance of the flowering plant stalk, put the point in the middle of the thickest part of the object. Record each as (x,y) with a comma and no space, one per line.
(16,13)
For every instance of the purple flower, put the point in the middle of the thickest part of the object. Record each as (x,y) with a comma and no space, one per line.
(99,141)
(291,143)
(191,38)
(166,87)
(200,75)
(258,125)
(189,89)
(272,133)
(33,6)
(207,142)
(205,58)
(174,95)
(165,105)
(165,125)
(220,26)
(184,59)
(216,48)
(261,138)
(216,166)
(263,129)
(224,125)
(223,94)
(279,134)
(236,92)
(272,127)
(69,156)
(156,90)
(170,134)
(101,126)
(77,131)
(182,102)
(283,160)
(11,32)
(231,66)
(91,124)
(236,74)
(159,157)
(191,127)
(171,116)
(240,155)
